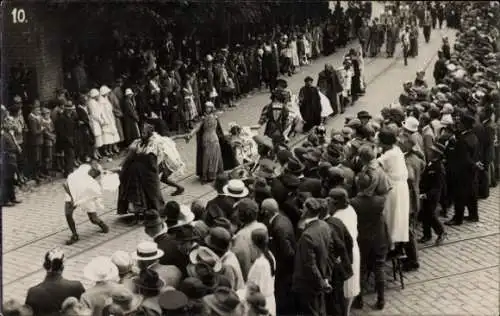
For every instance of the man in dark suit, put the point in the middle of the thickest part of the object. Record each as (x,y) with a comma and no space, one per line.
(10,151)
(485,132)
(282,245)
(296,168)
(313,262)
(467,165)
(373,239)
(47,297)
(432,184)
(65,126)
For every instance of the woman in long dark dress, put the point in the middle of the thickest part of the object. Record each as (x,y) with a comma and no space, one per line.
(213,152)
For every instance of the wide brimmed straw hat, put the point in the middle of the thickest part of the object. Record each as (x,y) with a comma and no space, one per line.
(235,188)
(147,250)
(101,269)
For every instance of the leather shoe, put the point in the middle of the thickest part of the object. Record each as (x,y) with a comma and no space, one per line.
(453,223)
(471,219)
(8,204)
(16,201)
(424,239)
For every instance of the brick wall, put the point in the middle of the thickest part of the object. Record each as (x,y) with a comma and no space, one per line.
(36,44)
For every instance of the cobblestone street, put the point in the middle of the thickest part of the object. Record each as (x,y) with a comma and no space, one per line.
(458,278)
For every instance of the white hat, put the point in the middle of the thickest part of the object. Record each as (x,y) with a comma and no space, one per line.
(451,67)
(94,93)
(122,260)
(209,104)
(104,90)
(411,124)
(447,108)
(206,255)
(446,120)
(129,91)
(101,269)
(209,57)
(235,188)
(147,250)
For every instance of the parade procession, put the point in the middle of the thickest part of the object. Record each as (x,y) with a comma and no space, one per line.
(324,158)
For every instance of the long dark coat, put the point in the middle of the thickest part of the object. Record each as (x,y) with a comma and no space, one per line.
(329,84)
(139,183)
(130,121)
(310,107)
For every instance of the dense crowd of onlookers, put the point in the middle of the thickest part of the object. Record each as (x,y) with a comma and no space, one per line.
(304,233)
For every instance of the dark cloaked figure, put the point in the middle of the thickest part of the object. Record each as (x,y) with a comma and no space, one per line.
(310,104)
(65,126)
(139,178)
(329,84)
(10,150)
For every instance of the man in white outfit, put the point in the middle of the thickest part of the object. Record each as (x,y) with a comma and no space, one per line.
(84,192)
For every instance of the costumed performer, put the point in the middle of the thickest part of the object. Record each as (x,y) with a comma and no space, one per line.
(150,159)
(275,115)
(84,192)
(244,146)
(295,122)
(213,151)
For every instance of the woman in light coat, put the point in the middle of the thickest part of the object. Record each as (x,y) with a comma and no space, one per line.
(347,214)
(109,131)
(397,208)
(263,270)
(97,120)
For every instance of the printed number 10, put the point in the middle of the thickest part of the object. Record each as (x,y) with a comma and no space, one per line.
(18,16)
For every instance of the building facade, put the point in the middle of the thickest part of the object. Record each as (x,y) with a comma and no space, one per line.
(31,51)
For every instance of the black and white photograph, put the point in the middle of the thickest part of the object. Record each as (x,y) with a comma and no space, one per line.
(249,158)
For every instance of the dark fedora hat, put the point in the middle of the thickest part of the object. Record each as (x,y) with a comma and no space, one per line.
(387,136)
(294,166)
(218,239)
(308,79)
(149,279)
(363,115)
(193,288)
(173,300)
(290,181)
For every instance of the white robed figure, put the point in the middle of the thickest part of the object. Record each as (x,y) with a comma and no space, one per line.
(397,207)
(109,131)
(295,121)
(84,189)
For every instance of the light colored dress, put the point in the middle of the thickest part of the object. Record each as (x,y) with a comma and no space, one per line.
(397,206)
(212,163)
(260,275)
(109,132)
(295,54)
(96,121)
(349,218)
